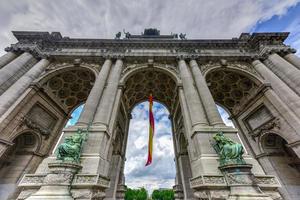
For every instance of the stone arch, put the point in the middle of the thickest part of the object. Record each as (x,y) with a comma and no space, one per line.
(284,161)
(69,86)
(132,69)
(16,161)
(140,83)
(229,86)
(38,137)
(241,68)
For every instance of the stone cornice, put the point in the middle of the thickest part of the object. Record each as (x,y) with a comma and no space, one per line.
(44,44)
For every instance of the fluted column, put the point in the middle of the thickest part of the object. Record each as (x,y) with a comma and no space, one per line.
(209,105)
(95,95)
(285,71)
(6,58)
(105,106)
(293,59)
(195,107)
(11,68)
(283,91)
(13,92)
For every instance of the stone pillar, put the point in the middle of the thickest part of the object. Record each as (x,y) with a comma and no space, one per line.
(13,92)
(6,58)
(282,90)
(11,68)
(285,71)
(95,95)
(195,107)
(185,174)
(212,112)
(293,59)
(105,106)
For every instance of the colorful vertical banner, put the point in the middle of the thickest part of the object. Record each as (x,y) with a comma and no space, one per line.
(151,131)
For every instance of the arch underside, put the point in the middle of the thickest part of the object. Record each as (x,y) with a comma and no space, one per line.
(142,83)
(230,88)
(70,88)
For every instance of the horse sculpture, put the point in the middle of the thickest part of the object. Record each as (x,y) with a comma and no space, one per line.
(229,151)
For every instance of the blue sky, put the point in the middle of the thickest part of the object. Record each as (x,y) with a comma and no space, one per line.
(103,18)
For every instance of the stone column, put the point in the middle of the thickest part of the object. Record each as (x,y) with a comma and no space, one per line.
(282,90)
(11,68)
(6,58)
(105,106)
(213,115)
(95,95)
(195,107)
(285,71)
(293,59)
(13,92)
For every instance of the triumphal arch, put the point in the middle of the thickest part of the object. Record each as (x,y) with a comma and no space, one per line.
(45,76)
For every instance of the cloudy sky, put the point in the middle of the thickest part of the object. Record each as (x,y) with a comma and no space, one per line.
(196,18)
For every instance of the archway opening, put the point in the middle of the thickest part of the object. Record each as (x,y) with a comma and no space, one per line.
(161,173)
(285,162)
(15,162)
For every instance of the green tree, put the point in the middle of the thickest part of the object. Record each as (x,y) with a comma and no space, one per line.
(136,194)
(163,194)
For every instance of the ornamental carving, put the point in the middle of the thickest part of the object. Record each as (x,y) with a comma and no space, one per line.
(85,179)
(237,179)
(273,125)
(36,127)
(213,180)
(266,180)
(35,179)
(59,178)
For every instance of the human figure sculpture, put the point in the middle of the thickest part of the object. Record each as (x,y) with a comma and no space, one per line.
(70,149)
(182,36)
(118,35)
(229,151)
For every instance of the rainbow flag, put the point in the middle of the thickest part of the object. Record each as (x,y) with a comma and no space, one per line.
(151,131)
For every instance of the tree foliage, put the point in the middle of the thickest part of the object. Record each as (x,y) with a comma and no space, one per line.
(136,194)
(166,194)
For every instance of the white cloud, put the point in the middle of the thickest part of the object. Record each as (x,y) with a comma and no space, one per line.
(103,18)
(161,173)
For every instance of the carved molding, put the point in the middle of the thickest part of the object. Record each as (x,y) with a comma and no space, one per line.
(36,127)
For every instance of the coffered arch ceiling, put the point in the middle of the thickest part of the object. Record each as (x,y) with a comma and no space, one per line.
(229,88)
(70,88)
(139,85)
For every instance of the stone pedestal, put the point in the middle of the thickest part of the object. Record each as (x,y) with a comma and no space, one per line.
(57,183)
(242,183)
(236,182)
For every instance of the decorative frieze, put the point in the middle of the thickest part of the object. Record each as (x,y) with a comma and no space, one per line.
(90,179)
(32,180)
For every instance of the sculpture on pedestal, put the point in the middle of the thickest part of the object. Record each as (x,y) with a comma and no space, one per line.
(229,151)
(70,149)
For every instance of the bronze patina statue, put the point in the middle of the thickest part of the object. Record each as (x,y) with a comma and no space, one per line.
(70,149)
(229,151)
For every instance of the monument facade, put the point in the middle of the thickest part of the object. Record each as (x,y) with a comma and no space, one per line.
(44,77)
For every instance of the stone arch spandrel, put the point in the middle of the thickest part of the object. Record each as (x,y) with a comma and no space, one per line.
(130,70)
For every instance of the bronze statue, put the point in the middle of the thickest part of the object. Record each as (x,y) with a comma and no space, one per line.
(229,151)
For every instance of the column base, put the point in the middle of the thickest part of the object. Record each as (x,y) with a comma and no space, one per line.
(63,182)
(236,183)
(56,184)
